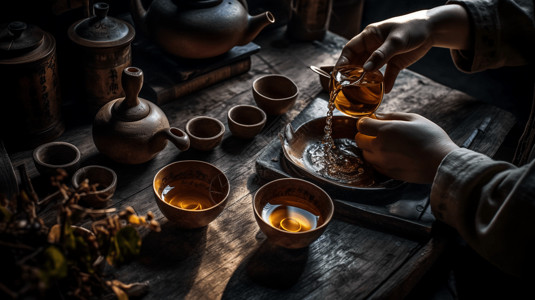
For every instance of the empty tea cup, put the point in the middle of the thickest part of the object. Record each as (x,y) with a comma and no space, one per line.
(246,121)
(205,133)
(292,212)
(104,181)
(191,193)
(50,157)
(275,94)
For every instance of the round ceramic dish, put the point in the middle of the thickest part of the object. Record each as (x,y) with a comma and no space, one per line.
(296,145)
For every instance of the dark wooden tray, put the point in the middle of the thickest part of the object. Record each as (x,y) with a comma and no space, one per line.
(402,210)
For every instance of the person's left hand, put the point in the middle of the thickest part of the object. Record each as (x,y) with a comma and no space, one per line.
(403,146)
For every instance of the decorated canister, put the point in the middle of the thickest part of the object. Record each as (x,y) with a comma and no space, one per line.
(103,43)
(30,107)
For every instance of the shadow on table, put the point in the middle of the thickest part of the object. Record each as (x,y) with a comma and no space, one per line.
(172,246)
(270,266)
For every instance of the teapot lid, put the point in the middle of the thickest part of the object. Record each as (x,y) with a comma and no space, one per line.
(18,38)
(101,29)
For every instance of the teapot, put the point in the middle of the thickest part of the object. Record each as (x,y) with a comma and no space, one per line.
(132,130)
(198,28)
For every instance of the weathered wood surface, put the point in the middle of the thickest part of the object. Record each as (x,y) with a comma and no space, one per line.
(230,258)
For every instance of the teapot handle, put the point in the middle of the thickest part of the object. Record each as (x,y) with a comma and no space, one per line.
(178,137)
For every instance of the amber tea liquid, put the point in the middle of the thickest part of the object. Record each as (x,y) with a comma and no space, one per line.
(290,214)
(191,195)
(356,100)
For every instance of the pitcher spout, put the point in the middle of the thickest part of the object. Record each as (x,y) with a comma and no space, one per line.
(255,25)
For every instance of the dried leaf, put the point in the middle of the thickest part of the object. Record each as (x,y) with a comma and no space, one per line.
(54,265)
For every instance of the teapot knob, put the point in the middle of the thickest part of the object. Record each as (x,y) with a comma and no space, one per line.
(101,9)
(131,108)
(16,28)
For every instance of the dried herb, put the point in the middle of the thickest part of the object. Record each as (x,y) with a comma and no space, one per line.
(65,259)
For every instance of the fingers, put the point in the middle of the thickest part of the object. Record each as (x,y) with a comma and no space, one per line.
(392,45)
(365,142)
(372,126)
(358,49)
(369,126)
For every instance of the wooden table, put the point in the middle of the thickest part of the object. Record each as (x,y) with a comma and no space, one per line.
(230,258)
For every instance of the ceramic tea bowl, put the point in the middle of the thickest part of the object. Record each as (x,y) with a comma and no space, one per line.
(105,180)
(292,212)
(50,157)
(205,133)
(275,94)
(191,193)
(246,121)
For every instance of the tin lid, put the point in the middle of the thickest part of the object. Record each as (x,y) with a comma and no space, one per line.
(101,30)
(18,38)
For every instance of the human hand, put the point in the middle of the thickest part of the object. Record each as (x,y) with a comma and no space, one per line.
(403,146)
(401,41)
(398,41)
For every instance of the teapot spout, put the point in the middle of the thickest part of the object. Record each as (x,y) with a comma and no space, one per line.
(138,15)
(255,25)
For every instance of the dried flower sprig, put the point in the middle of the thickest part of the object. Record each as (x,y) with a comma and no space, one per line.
(66,260)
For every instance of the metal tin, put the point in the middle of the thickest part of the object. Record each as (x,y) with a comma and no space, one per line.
(31,101)
(310,19)
(104,44)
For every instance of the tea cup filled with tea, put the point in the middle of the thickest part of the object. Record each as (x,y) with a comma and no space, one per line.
(292,212)
(191,193)
(205,133)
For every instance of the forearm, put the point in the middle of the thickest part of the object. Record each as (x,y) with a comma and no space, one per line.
(450,27)
(491,204)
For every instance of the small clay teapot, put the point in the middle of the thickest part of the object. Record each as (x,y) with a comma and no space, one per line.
(198,28)
(132,130)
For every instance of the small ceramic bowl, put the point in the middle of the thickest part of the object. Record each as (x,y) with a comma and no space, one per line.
(324,81)
(292,212)
(275,94)
(246,121)
(106,181)
(205,133)
(191,193)
(50,157)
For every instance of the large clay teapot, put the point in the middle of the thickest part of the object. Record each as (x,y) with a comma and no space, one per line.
(198,28)
(132,130)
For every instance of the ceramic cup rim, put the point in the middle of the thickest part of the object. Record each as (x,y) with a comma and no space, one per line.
(267,76)
(111,186)
(273,182)
(199,118)
(241,106)
(39,151)
(222,202)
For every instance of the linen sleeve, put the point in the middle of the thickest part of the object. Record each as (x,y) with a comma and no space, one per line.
(503,34)
(492,206)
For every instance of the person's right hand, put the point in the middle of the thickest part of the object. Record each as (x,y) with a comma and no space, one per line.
(400,41)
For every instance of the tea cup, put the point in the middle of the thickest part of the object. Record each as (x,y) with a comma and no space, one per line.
(292,212)
(191,193)
(246,121)
(205,133)
(275,94)
(50,157)
(106,180)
